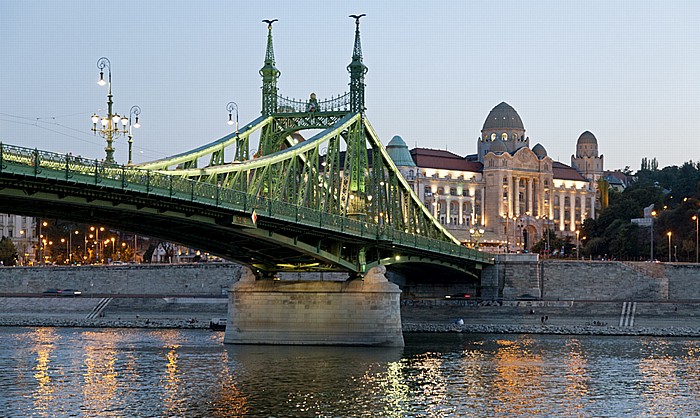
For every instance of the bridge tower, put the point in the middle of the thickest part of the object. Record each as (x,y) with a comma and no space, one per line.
(269,74)
(357,71)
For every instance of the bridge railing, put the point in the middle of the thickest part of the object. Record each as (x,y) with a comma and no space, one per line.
(48,165)
(287,105)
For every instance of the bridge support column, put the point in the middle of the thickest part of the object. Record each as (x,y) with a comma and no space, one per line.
(357,312)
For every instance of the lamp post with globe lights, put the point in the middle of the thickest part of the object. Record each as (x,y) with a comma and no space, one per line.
(476,234)
(108,126)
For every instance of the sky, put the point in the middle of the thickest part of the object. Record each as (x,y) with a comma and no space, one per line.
(628,71)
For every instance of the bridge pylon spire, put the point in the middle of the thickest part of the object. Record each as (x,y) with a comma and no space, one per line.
(357,71)
(269,74)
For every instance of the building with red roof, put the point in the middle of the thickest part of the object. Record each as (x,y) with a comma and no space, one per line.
(506,195)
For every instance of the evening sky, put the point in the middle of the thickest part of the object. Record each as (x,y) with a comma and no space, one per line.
(625,70)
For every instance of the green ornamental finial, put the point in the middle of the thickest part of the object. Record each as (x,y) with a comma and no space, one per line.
(269,74)
(357,72)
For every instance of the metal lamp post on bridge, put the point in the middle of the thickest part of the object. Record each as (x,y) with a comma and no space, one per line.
(109,125)
(578,244)
(669,245)
(134,112)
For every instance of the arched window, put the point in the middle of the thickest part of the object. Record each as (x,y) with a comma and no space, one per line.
(504,136)
(493,136)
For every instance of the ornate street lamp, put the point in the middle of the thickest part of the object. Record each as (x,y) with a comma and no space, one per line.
(232,106)
(669,245)
(109,126)
(476,233)
(134,113)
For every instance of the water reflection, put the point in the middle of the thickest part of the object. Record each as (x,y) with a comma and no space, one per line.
(519,381)
(70,372)
(44,391)
(577,378)
(314,380)
(100,383)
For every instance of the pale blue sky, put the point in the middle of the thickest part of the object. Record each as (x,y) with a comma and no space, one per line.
(628,71)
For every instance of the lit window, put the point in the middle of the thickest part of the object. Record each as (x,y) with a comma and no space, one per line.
(504,136)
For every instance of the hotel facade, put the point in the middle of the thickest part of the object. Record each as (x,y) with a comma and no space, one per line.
(507,195)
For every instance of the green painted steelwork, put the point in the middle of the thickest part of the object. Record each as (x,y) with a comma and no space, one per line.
(335,200)
(111,181)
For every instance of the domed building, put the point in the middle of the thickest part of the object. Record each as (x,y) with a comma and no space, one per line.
(511,192)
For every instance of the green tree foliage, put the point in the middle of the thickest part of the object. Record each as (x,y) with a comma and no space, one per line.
(8,252)
(675,193)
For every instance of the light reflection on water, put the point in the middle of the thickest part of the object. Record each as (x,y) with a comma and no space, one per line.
(76,372)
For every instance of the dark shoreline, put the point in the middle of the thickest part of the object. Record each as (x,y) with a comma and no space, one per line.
(409,327)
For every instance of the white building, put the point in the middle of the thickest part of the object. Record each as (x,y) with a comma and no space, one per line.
(507,190)
(22,231)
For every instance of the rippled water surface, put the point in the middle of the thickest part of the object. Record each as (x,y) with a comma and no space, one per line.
(107,372)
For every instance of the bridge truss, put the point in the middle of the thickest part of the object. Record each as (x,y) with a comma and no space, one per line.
(332,201)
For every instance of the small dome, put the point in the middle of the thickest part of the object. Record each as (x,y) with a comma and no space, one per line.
(398,151)
(396,141)
(587,138)
(503,116)
(539,151)
(498,146)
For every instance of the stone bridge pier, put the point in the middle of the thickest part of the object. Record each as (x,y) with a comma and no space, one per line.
(358,312)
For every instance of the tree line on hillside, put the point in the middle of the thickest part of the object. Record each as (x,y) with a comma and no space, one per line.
(675,193)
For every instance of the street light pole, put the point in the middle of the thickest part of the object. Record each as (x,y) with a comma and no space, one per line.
(578,244)
(651,234)
(109,128)
(695,218)
(134,112)
(669,246)
(241,146)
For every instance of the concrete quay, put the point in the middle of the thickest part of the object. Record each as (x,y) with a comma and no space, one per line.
(576,297)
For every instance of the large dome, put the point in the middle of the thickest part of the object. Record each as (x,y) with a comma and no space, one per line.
(587,138)
(503,116)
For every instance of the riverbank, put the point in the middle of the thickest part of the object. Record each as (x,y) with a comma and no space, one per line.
(412,327)
(669,319)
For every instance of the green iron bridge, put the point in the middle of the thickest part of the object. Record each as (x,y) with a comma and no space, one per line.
(334,201)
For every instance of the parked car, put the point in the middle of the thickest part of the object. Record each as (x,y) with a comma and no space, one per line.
(70,292)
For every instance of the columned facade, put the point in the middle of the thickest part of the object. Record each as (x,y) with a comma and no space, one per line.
(511,191)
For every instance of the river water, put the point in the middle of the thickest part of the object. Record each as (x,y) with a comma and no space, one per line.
(144,373)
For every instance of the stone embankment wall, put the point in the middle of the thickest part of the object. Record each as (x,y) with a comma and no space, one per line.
(212,279)
(613,280)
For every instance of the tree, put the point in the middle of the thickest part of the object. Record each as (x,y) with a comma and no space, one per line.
(8,252)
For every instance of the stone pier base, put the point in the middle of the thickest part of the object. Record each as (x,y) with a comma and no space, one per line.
(358,312)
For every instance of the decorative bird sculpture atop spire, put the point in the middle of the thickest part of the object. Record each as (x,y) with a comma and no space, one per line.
(269,22)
